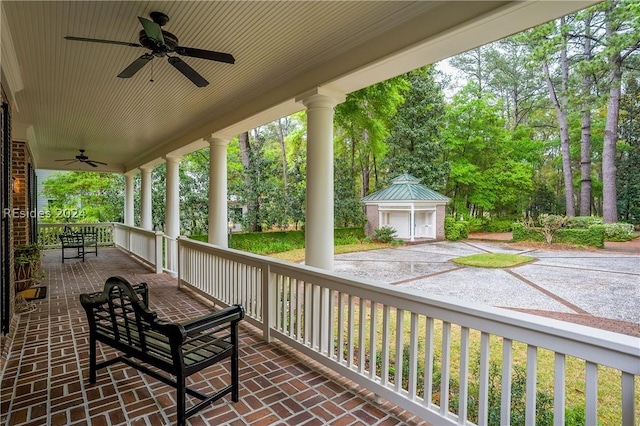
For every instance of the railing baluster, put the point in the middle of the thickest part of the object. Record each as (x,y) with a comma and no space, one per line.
(340,354)
(559,389)
(399,349)
(483,393)
(445,371)
(361,335)
(413,356)
(373,341)
(350,331)
(628,399)
(332,327)
(464,375)
(591,394)
(385,344)
(428,362)
(532,380)
(505,397)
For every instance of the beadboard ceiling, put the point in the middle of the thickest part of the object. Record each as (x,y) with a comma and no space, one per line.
(69,97)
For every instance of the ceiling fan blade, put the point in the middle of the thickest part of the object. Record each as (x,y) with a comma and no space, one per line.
(136,66)
(152,30)
(97,162)
(89,162)
(70,162)
(187,71)
(206,54)
(67,159)
(97,40)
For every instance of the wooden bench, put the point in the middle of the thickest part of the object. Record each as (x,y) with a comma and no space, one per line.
(83,242)
(119,317)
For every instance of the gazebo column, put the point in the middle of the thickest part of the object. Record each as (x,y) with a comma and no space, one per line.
(218,214)
(319,204)
(172,210)
(128,199)
(145,198)
(412,223)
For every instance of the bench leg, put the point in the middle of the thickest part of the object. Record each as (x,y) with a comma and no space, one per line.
(235,379)
(92,359)
(180,399)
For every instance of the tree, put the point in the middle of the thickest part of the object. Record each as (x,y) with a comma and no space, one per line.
(622,40)
(415,141)
(628,181)
(362,125)
(84,197)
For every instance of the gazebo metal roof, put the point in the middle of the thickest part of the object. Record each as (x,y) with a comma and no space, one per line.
(405,188)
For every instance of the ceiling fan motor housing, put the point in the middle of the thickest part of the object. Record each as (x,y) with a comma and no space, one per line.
(170,43)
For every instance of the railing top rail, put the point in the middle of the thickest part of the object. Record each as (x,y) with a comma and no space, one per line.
(584,342)
(136,229)
(57,225)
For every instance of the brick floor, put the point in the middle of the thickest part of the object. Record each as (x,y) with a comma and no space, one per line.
(46,377)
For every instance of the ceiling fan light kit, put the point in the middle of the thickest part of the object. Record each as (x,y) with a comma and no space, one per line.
(163,43)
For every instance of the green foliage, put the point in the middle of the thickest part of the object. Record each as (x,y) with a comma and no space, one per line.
(590,237)
(583,222)
(455,230)
(87,196)
(280,241)
(386,234)
(498,225)
(547,225)
(618,231)
(415,141)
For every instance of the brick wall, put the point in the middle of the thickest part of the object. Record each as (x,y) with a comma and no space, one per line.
(20,170)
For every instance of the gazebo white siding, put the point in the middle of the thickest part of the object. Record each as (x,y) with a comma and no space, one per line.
(412,209)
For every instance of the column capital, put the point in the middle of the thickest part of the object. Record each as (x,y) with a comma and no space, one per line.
(321,97)
(146,169)
(131,173)
(172,158)
(216,140)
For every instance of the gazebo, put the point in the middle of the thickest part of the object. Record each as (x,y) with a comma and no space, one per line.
(409,207)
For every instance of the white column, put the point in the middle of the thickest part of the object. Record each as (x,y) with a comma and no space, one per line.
(412,223)
(145,198)
(172,200)
(319,208)
(172,210)
(218,214)
(128,199)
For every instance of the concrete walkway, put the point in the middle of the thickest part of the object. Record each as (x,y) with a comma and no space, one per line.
(599,288)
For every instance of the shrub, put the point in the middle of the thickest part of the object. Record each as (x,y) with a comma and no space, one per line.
(386,234)
(499,225)
(455,230)
(583,222)
(593,236)
(618,231)
(549,224)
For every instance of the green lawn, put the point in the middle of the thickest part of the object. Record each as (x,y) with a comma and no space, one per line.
(493,260)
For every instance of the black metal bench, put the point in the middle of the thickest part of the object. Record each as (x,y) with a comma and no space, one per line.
(119,317)
(82,242)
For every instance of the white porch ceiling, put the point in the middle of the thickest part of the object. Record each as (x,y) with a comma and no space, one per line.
(70,98)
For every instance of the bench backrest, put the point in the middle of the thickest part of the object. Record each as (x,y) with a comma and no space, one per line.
(71,239)
(120,317)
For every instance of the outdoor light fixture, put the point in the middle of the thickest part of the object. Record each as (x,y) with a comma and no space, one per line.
(15,185)
(230,226)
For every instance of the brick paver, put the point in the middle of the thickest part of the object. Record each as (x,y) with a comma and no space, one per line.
(46,376)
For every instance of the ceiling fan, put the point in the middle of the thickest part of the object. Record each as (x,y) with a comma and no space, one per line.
(163,43)
(83,159)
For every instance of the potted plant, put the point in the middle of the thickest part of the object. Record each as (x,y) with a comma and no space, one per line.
(26,263)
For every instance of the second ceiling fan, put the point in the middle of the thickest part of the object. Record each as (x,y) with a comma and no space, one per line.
(163,43)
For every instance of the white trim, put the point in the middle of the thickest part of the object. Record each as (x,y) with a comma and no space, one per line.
(9,60)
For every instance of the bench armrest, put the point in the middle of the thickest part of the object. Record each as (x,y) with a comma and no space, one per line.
(227,315)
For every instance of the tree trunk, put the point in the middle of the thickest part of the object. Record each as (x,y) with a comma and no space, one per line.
(243,140)
(283,151)
(609,196)
(245,149)
(585,137)
(560,105)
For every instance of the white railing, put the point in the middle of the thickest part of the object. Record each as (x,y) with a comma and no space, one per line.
(446,361)
(144,244)
(48,233)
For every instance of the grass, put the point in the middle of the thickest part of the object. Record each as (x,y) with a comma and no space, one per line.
(297,255)
(493,260)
